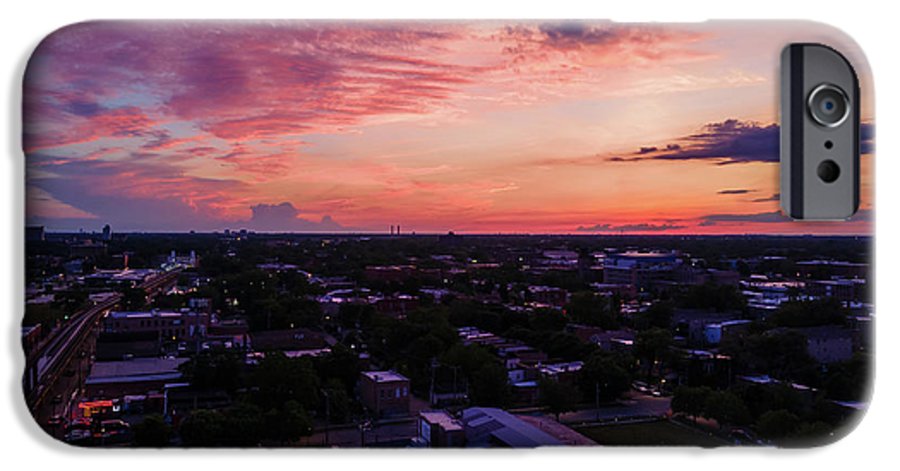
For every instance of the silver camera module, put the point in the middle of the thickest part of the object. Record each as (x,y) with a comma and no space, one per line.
(829,105)
(820,134)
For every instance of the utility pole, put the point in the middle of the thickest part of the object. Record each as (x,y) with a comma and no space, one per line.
(327,415)
(431,396)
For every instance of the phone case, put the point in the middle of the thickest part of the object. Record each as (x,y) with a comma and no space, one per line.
(432,234)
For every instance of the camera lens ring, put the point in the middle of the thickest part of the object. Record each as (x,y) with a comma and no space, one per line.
(832,91)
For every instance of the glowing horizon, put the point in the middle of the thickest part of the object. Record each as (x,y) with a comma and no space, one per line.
(486,127)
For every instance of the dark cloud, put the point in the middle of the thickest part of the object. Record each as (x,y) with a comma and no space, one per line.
(727,142)
(284,217)
(768,217)
(580,33)
(771,217)
(643,227)
(740,191)
(774,197)
(83,108)
(132,193)
(623,159)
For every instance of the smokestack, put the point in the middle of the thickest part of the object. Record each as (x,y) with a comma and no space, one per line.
(392,229)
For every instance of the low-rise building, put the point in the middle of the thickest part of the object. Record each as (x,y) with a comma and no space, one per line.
(564,372)
(714,333)
(826,269)
(844,290)
(828,343)
(439,429)
(691,323)
(547,296)
(114,379)
(384,393)
(640,270)
(487,427)
(291,342)
(397,306)
(125,278)
(180,325)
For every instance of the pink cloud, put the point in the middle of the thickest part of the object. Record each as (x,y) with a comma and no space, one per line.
(201,122)
(125,122)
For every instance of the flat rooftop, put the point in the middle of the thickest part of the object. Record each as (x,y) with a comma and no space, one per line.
(442,418)
(384,376)
(138,369)
(148,314)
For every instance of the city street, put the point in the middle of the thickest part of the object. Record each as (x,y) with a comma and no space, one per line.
(390,433)
(634,405)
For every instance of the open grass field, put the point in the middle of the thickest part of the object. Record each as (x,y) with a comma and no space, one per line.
(661,433)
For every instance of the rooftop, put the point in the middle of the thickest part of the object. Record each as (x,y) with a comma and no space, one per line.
(643,255)
(486,426)
(148,314)
(138,369)
(444,419)
(384,376)
(288,339)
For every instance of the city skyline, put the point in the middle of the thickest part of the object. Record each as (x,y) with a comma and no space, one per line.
(472,128)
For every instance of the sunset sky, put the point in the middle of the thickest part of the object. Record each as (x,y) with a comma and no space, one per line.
(477,128)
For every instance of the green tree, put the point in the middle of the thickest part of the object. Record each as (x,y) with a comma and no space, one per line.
(659,315)
(242,425)
(153,431)
(489,386)
(761,398)
(782,354)
(589,308)
(816,433)
(558,397)
(652,346)
(203,428)
(777,424)
(338,402)
(726,408)
(287,423)
(468,358)
(279,379)
(811,313)
(565,346)
(713,296)
(849,380)
(547,320)
(214,370)
(341,364)
(605,374)
(690,401)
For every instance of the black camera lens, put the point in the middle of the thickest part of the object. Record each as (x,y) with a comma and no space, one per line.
(828,171)
(829,105)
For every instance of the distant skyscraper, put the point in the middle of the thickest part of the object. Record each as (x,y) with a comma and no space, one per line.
(107,232)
